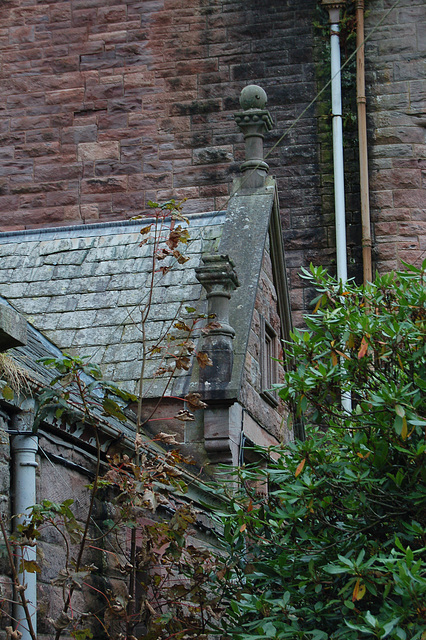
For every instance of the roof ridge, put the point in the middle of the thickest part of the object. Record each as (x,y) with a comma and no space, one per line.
(87,230)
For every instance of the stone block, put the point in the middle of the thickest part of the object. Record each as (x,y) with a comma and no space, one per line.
(14,168)
(44,172)
(386,251)
(112,14)
(381,199)
(13,328)
(415,198)
(21,35)
(412,228)
(104,91)
(396,178)
(83,17)
(78,134)
(108,184)
(98,150)
(60,12)
(65,96)
(411,14)
(110,167)
(421,36)
(213,155)
(195,107)
(216,424)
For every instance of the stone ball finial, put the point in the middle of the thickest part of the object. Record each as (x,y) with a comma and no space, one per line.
(253,97)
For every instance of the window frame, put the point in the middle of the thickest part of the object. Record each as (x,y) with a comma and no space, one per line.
(268,361)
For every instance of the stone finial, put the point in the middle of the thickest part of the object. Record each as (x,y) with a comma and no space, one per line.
(254,121)
(253,97)
(13,328)
(219,279)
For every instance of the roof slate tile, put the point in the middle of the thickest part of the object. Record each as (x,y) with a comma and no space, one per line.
(88,285)
(87,289)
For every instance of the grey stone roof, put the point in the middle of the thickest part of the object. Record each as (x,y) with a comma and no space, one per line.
(84,287)
(111,430)
(36,376)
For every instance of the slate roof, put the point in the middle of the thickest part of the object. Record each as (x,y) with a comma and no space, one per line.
(111,430)
(83,287)
(38,376)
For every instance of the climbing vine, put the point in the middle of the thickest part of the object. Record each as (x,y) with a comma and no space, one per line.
(131,565)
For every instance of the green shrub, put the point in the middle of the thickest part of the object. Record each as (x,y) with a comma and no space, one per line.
(337,548)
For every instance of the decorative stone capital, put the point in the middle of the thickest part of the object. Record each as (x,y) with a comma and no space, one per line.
(254,121)
(219,279)
(217,275)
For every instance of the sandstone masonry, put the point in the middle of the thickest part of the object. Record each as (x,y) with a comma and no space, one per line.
(106,105)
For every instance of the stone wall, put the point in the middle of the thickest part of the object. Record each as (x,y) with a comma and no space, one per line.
(396,104)
(108,104)
(57,482)
(266,411)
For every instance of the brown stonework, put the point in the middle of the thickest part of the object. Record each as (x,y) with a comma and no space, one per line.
(114,103)
(269,414)
(396,106)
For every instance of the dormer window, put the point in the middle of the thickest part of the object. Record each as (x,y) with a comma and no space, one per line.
(268,362)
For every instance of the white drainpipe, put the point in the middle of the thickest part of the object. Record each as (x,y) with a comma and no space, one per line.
(333,8)
(24,449)
(336,110)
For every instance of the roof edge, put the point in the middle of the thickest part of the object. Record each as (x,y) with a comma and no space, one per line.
(87,230)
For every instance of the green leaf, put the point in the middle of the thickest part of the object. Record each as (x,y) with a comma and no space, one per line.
(371,620)
(30,566)
(333,569)
(81,634)
(399,410)
(111,408)
(7,392)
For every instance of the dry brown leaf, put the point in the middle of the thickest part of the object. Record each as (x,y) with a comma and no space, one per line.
(184,415)
(363,348)
(300,468)
(138,441)
(167,438)
(210,326)
(203,359)
(194,401)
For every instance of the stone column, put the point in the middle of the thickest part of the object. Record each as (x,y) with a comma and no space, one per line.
(221,435)
(219,279)
(254,121)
